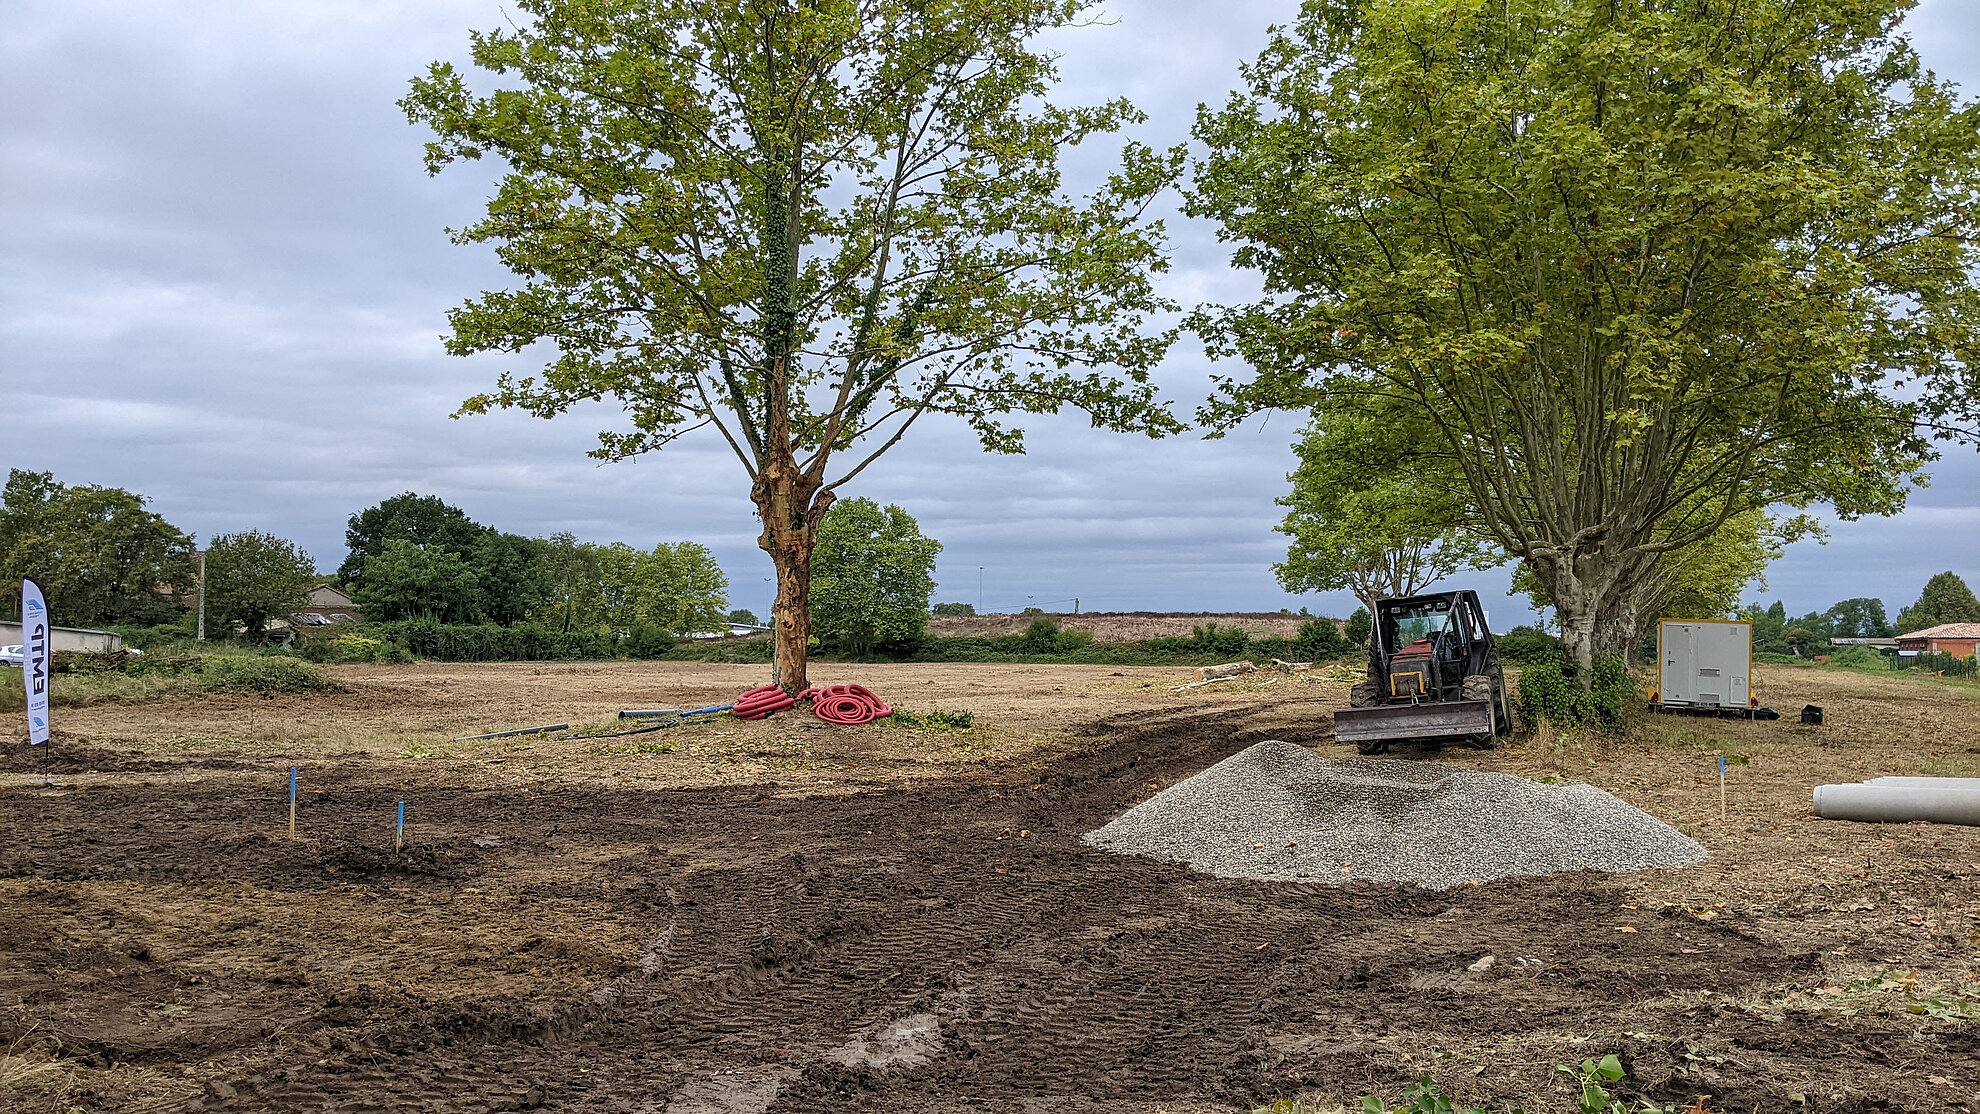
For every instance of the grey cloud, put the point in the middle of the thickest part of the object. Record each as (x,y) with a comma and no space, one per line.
(224,272)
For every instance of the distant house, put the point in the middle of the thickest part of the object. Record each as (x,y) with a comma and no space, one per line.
(735,630)
(328,606)
(1961,640)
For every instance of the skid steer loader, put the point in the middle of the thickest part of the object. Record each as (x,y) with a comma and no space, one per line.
(1433,677)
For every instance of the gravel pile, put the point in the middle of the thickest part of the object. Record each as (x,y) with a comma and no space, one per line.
(1278,811)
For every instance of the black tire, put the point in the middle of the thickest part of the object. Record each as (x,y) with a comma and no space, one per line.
(1372,748)
(1362,695)
(1481,687)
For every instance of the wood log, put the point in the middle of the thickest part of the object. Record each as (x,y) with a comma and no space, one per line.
(1228,669)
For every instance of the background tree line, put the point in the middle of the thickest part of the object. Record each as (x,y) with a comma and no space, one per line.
(106,560)
(1944,599)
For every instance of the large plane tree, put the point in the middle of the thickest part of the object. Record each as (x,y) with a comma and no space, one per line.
(803,225)
(1643,266)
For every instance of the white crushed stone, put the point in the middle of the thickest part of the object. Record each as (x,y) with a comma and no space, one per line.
(1279,812)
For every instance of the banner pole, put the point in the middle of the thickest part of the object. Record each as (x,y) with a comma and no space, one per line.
(36,635)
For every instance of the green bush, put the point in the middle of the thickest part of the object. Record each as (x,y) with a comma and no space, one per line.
(434,641)
(1548,693)
(1524,645)
(955,721)
(179,677)
(353,649)
(162,636)
(1860,657)
(255,673)
(1320,640)
(646,641)
(161,664)
(730,651)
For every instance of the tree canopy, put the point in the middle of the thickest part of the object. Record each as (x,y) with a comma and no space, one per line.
(98,554)
(874,573)
(804,225)
(408,580)
(1375,508)
(419,519)
(676,587)
(1644,265)
(502,578)
(1946,599)
(252,577)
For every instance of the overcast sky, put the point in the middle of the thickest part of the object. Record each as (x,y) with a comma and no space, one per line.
(224,275)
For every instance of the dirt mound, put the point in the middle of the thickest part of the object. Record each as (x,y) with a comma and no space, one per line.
(1278,811)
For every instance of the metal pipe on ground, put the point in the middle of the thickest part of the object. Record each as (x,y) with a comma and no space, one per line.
(649,713)
(1897,804)
(518,731)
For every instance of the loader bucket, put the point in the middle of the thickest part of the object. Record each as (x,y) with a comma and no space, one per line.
(1388,722)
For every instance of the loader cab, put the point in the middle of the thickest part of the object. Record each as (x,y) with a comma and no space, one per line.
(1423,647)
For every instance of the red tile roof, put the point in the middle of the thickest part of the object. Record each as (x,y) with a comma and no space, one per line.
(1946,630)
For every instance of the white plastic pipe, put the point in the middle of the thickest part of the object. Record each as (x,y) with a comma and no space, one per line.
(1897,804)
(1967,783)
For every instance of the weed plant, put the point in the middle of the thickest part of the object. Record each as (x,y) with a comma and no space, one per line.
(945,721)
(1593,1080)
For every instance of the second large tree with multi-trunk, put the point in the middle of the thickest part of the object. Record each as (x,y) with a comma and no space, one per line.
(1637,267)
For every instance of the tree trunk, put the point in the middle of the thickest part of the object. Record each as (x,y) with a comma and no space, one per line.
(1590,592)
(791,508)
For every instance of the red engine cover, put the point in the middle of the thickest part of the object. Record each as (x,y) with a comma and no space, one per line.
(1420,648)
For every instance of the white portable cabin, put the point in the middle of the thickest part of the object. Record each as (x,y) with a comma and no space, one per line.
(1706,663)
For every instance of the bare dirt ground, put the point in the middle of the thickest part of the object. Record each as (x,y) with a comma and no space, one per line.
(1121,626)
(788,916)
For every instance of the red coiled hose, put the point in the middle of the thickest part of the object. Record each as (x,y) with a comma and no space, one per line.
(848,704)
(761,701)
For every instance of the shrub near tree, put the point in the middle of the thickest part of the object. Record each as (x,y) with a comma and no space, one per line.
(1359,626)
(872,576)
(253,577)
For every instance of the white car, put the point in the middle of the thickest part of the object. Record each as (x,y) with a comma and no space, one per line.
(12,655)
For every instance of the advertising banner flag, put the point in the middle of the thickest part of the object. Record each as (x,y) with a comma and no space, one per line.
(34,659)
